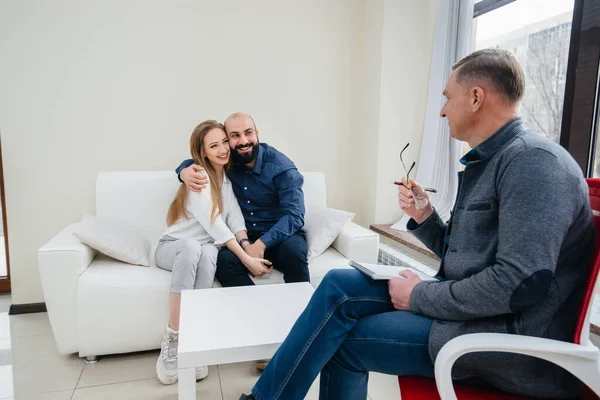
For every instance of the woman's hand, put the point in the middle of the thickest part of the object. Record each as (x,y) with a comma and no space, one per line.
(258,266)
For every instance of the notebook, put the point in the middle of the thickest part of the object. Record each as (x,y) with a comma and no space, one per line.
(385,272)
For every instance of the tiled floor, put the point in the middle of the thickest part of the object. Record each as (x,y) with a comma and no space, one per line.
(32,369)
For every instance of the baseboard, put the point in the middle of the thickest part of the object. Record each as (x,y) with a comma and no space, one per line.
(29,308)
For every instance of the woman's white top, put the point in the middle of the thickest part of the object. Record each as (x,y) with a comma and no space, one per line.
(199,208)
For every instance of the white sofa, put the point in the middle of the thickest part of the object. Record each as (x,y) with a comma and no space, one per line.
(98,305)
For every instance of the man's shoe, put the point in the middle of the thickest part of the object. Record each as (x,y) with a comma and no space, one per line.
(261,364)
(247,397)
(166,365)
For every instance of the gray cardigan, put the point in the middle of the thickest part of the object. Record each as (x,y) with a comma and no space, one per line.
(515,255)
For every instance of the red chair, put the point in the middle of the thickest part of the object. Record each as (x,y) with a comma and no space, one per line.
(581,357)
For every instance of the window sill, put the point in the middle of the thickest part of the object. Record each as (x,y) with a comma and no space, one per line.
(405,238)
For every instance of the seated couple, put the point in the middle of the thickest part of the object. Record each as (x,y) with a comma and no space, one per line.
(515,256)
(251,185)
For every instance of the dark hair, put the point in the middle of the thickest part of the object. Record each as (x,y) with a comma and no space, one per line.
(495,66)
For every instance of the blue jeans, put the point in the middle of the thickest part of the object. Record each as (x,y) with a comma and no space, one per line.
(349,328)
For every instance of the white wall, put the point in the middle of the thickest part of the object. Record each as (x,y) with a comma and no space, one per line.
(398,48)
(89,86)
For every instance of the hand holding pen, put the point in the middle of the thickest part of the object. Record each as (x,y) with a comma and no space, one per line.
(413,200)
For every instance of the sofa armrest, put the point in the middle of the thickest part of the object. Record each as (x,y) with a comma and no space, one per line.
(60,262)
(357,243)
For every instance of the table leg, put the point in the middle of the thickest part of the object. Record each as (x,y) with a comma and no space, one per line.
(187,384)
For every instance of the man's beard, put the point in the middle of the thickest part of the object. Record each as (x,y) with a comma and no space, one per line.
(245,158)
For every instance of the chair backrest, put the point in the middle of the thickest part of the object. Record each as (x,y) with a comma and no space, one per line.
(141,199)
(582,331)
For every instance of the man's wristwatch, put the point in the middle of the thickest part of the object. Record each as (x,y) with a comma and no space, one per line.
(241,242)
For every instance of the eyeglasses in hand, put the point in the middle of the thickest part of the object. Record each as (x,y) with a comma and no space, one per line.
(420,200)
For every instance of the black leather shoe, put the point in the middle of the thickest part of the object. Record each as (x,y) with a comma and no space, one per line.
(246,397)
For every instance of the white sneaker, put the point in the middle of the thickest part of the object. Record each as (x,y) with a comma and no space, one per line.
(166,365)
(201,372)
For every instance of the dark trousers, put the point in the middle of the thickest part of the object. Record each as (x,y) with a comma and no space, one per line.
(289,257)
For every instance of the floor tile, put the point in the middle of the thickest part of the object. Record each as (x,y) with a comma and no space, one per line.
(240,378)
(122,368)
(5,302)
(62,395)
(383,387)
(32,365)
(6,378)
(119,368)
(237,378)
(24,325)
(149,389)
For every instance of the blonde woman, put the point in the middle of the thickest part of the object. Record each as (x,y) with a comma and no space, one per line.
(198,223)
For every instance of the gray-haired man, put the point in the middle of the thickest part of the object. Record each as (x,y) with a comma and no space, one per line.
(515,255)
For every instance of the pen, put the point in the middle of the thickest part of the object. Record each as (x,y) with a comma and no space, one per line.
(425,188)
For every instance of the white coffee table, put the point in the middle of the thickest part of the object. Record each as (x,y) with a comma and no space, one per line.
(227,325)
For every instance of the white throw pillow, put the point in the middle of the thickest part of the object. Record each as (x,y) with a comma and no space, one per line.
(323,225)
(114,239)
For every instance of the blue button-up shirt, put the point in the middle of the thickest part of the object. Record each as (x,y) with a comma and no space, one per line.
(270,195)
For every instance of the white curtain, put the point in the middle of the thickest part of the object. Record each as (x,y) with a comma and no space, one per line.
(438,163)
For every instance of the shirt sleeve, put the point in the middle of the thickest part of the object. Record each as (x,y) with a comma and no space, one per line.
(234,217)
(291,200)
(200,206)
(431,232)
(183,165)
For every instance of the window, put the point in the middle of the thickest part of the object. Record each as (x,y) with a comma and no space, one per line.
(538,33)
(557,43)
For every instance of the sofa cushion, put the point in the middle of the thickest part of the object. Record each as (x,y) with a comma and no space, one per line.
(323,225)
(114,239)
(319,266)
(111,294)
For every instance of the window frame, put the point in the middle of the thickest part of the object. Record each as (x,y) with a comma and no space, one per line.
(485,6)
(581,104)
(582,93)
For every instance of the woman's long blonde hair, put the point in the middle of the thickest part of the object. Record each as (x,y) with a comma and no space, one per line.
(177,207)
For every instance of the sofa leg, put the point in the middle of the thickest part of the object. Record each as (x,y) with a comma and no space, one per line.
(91,359)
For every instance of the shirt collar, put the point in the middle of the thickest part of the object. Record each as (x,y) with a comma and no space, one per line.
(492,144)
(259,160)
(470,156)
